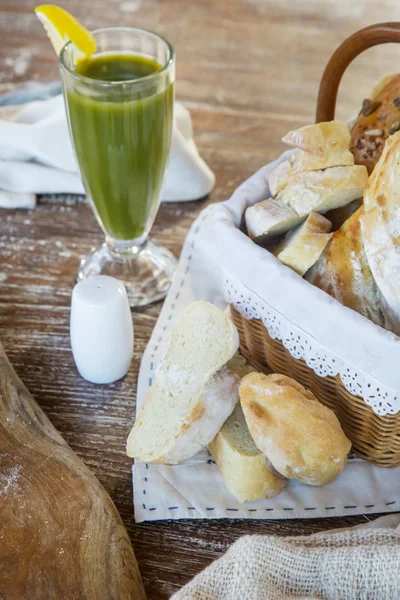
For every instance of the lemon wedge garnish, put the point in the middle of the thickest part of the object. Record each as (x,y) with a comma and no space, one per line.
(61,27)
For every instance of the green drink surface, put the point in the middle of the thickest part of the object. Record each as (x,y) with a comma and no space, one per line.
(122,139)
(117,67)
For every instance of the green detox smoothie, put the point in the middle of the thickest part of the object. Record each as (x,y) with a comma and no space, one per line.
(122,137)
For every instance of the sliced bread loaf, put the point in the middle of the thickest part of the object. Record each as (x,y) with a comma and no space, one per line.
(320,191)
(320,139)
(304,161)
(244,468)
(193,392)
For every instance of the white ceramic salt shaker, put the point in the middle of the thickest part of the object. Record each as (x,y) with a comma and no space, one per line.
(101,329)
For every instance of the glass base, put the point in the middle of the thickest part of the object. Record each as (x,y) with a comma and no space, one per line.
(146,270)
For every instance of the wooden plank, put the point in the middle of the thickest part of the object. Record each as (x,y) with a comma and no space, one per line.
(61,535)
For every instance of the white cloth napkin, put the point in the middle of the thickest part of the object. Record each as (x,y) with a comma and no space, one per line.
(195,489)
(36,156)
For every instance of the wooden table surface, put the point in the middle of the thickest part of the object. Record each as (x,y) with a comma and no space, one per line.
(248,70)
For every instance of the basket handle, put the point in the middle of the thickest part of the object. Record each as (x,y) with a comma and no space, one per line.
(380,33)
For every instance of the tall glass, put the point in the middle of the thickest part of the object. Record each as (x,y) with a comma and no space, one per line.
(121,131)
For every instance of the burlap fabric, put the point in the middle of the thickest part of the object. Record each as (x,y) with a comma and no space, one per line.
(361,563)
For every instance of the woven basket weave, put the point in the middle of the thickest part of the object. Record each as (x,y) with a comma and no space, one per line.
(375,438)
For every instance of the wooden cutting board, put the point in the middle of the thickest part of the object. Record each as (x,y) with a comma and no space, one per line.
(60,534)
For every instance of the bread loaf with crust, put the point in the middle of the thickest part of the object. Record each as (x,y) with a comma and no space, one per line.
(379,118)
(343,272)
(360,267)
(380,226)
(301,437)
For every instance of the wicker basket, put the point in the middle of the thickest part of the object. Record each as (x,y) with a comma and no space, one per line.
(374,438)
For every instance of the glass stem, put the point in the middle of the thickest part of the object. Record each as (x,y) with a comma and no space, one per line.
(123,250)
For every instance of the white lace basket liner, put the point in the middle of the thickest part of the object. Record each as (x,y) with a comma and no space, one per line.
(195,489)
(331,338)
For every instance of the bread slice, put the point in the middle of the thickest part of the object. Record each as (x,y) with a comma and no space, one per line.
(320,191)
(193,393)
(301,437)
(270,218)
(244,468)
(304,161)
(301,248)
(320,139)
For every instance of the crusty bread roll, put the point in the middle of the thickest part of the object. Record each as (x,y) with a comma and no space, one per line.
(343,272)
(380,226)
(301,437)
(320,139)
(270,218)
(193,392)
(304,161)
(244,468)
(379,118)
(321,191)
(301,248)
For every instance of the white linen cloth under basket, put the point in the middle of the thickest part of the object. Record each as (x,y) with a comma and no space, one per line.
(221,265)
